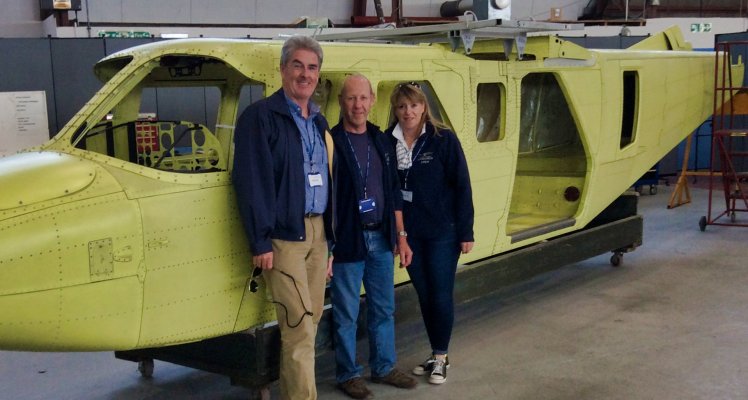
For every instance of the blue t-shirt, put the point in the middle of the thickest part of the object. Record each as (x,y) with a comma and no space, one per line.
(370,169)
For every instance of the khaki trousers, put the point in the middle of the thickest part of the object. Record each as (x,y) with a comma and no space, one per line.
(300,292)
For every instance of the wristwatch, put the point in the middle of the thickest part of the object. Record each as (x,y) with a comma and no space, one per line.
(403,233)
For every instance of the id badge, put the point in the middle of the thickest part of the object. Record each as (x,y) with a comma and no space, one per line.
(407,195)
(315,179)
(366,205)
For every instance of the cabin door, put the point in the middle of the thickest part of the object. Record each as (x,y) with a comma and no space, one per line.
(551,162)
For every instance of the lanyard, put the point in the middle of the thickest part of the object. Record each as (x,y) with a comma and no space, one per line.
(413,158)
(365,178)
(310,148)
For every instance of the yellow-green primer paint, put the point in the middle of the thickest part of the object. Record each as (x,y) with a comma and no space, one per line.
(107,246)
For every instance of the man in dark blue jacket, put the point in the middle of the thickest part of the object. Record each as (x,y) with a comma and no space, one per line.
(368,230)
(283,184)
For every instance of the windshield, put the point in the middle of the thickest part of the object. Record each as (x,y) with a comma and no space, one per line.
(179,117)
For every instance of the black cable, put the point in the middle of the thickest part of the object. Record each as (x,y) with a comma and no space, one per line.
(253,285)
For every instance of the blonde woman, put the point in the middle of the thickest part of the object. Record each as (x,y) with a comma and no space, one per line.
(437,214)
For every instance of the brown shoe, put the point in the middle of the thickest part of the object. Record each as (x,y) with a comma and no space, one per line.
(355,388)
(396,378)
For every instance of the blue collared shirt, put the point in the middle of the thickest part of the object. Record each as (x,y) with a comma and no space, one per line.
(315,157)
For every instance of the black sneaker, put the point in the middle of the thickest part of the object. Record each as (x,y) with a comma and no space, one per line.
(426,366)
(438,371)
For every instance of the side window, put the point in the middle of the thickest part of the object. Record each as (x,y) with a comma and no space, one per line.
(628,112)
(545,119)
(322,93)
(489,115)
(250,93)
(437,111)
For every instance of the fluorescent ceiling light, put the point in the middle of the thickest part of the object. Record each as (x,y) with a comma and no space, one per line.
(62,4)
(174,35)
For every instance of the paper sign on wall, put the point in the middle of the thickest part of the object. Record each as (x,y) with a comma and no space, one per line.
(23,120)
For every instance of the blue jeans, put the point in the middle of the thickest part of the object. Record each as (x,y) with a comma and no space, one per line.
(432,273)
(377,274)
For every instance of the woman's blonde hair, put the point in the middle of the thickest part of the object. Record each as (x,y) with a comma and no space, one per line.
(412,91)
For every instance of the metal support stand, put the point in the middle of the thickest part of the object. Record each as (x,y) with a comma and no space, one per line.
(250,359)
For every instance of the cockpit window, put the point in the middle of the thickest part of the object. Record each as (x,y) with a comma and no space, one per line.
(105,70)
(177,118)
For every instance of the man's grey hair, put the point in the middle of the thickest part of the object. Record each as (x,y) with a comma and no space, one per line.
(298,43)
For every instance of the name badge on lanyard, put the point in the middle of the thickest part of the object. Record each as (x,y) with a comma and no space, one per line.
(408,194)
(367,205)
(315,179)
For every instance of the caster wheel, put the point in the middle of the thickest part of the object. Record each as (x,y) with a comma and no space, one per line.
(616,259)
(145,367)
(653,190)
(702,224)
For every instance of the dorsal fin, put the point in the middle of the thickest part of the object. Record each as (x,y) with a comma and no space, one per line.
(669,39)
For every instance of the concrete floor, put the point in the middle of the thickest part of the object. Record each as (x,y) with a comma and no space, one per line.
(671,323)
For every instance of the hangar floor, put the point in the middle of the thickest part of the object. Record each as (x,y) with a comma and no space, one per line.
(671,323)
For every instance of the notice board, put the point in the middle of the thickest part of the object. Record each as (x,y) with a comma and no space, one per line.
(23,120)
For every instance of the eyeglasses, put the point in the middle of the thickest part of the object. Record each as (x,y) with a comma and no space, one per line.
(411,83)
(253,285)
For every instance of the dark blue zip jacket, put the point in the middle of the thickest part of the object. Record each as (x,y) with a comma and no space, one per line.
(268,173)
(440,182)
(349,238)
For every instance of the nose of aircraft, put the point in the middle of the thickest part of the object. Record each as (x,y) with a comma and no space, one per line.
(70,245)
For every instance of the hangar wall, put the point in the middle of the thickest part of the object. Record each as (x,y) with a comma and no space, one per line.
(285,11)
(45,65)
(21,18)
(216,11)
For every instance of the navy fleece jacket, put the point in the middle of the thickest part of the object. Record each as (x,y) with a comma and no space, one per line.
(268,173)
(349,245)
(440,182)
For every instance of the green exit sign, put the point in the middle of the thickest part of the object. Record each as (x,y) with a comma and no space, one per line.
(705,27)
(124,34)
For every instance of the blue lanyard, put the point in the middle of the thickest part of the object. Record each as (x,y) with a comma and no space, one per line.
(304,125)
(413,158)
(309,147)
(365,178)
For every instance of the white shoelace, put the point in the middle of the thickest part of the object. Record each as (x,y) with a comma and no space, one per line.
(438,368)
